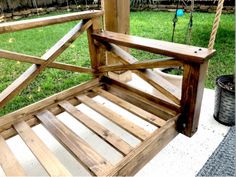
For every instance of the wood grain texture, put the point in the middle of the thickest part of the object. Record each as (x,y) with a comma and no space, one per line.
(91,160)
(157,81)
(30,74)
(8,162)
(158,63)
(37,60)
(129,126)
(23,113)
(178,51)
(151,118)
(45,21)
(135,160)
(97,128)
(159,104)
(192,93)
(51,164)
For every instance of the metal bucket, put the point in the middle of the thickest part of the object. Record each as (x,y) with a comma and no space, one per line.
(224,102)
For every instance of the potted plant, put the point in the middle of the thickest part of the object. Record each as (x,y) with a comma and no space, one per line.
(225,100)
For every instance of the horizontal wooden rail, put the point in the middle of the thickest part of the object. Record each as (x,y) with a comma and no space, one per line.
(179,51)
(30,74)
(157,63)
(46,21)
(37,60)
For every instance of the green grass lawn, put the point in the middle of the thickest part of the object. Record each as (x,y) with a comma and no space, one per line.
(157,25)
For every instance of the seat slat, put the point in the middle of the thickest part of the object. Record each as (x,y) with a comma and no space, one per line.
(91,160)
(8,162)
(151,118)
(51,164)
(101,131)
(129,126)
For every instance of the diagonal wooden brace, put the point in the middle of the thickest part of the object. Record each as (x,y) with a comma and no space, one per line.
(29,75)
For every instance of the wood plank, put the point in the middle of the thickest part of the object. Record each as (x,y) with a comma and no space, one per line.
(170,108)
(8,162)
(135,160)
(51,164)
(192,93)
(97,128)
(129,126)
(30,74)
(37,60)
(23,113)
(178,51)
(45,21)
(80,149)
(151,118)
(157,81)
(156,63)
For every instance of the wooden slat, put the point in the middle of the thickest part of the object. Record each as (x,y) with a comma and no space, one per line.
(28,76)
(157,63)
(170,108)
(8,162)
(45,21)
(51,164)
(157,81)
(25,113)
(179,51)
(80,149)
(129,126)
(101,131)
(37,60)
(135,160)
(131,108)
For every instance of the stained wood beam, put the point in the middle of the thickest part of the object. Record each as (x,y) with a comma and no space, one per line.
(37,60)
(45,21)
(178,51)
(89,158)
(30,74)
(157,81)
(157,63)
(48,160)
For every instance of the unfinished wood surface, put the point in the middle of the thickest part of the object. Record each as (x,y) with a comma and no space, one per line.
(192,93)
(37,60)
(179,51)
(157,81)
(51,164)
(129,126)
(97,128)
(91,160)
(28,76)
(135,160)
(157,63)
(151,118)
(45,21)
(8,162)
(25,113)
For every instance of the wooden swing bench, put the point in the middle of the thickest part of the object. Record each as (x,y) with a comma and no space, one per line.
(178,115)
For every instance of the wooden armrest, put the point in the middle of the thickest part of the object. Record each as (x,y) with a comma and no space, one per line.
(178,51)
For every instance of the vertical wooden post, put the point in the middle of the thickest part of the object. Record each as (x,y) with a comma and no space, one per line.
(117,19)
(192,93)
(93,49)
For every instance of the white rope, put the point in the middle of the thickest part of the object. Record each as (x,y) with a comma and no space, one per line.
(216,24)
